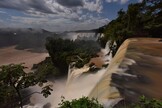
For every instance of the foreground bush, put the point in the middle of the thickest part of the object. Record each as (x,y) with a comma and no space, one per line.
(148,103)
(143,102)
(83,102)
(13,79)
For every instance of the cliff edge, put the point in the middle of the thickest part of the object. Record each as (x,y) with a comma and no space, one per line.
(139,71)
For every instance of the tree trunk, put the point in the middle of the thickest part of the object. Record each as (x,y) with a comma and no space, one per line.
(20,98)
(18,92)
(19,95)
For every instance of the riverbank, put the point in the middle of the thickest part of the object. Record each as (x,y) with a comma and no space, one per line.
(10,55)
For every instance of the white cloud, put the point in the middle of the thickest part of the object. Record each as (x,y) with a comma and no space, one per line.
(121,1)
(124,1)
(26,5)
(95,5)
(52,6)
(57,23)
(140,1)
(2,12)
(109,1)
(53,15)
(70,3)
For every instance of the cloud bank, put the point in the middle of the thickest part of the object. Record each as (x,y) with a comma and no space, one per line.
(56,14)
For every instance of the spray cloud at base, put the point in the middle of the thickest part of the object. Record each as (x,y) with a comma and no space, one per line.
(81,82)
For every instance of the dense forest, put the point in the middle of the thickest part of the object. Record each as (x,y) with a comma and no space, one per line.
(64,52)
(139,20)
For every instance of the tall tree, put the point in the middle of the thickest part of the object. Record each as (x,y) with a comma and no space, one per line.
(12,80)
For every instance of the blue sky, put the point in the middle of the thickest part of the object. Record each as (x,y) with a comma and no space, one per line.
(59,15)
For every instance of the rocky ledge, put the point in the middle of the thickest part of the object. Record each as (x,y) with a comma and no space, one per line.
(140,70)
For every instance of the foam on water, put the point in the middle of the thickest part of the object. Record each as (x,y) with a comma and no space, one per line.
(82,82)
(93,84)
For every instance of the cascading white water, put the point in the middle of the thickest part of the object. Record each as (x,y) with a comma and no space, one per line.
(107,52)
(80,82)
(81,35)
(38,101)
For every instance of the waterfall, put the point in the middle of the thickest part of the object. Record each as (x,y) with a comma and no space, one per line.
(107,52)
(38,101)
(82,82)
(80,35)
(103,90)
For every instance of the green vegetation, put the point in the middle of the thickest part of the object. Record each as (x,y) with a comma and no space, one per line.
(140,20)
(148,103)
(64,52)
(142,103)
(13,79)
(83,102)
(46,69)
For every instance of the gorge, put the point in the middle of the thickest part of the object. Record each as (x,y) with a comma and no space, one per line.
(132,72)
(80,53)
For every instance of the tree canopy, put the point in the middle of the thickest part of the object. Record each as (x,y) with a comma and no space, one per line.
(13,79)
(139,20)
(64,52)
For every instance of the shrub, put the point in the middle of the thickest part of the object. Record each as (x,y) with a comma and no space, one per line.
(147,103)
(83,102)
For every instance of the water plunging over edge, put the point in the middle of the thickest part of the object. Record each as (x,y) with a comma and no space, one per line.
(81,82)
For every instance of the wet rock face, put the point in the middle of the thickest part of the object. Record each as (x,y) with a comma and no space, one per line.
(144,75)
(48,105)
(93,69)
(121,82)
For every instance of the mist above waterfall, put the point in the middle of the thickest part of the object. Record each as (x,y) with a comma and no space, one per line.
(21,37)
(80,35)
(37,100)
(79,82)
(83,82)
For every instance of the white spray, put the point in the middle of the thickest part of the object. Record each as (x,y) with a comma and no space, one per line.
(80,82)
